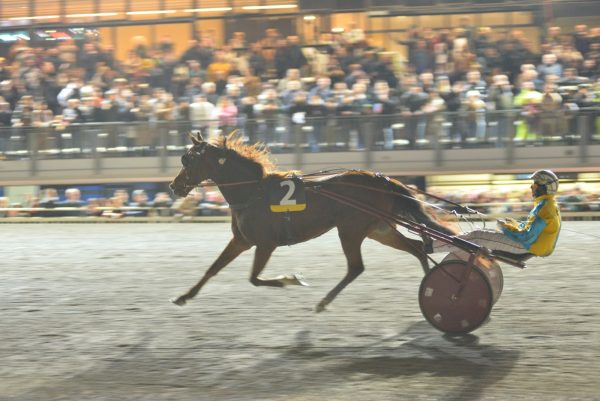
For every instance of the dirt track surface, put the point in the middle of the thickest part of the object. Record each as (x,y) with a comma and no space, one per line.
(85,316)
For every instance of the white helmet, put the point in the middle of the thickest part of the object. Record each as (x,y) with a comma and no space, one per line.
(546,178)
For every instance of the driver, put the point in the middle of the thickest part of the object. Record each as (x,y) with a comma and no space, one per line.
(536,235)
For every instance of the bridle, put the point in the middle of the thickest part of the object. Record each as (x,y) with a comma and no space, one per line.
(187,160)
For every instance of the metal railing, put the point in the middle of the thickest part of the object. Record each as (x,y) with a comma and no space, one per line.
(286,133)
(89,213)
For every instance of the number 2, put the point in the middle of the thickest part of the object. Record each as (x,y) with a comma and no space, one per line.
(287,198)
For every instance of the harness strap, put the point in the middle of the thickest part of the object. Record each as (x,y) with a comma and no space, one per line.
(287,226)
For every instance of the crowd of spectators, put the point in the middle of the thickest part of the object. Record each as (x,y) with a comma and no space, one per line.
(469,71)
(123,203)
(574,199)
(210,202)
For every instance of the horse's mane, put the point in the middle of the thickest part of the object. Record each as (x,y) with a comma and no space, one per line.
(257,153)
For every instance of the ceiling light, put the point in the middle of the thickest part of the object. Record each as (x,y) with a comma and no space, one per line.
(150,12)
(39,17)
(309,18)
(273,7)
(207,10)
(91,15)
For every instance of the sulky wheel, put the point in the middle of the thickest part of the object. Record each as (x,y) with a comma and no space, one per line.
(455,298)
(490,268)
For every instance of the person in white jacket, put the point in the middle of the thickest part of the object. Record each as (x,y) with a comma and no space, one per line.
(203,115)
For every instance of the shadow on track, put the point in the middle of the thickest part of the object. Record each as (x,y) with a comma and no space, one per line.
(302,369)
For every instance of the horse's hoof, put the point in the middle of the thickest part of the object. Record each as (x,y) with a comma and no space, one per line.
(293,279)
(299,280)
(178,301)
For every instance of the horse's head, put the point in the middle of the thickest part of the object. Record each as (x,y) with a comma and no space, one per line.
(198,165)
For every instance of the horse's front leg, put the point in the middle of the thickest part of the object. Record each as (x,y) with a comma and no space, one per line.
(261,257)
(232,250)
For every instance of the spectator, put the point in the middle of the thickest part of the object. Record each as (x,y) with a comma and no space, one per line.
(322,89)
(88,59)
(193,88)
(422,57)
(452,96)
(123,197)
(581,38)
(349,109)
(383,106)
(411,104)
(267,110)
(292,74)
(474,82)
(23,114)
(247,117)
(256,60)
(234,93)
(549,66)
(295,56)
(528,100)
(139,201)
(427,82)
(5,114)
(202,115)
(219,68)
(550,106)
(73,200)
(589,69)
(226,113)
(49,200)
(70,91)
(162,204)
(72,113)
(570,57)
(4,204)
(41,115)
(209,90)
(433,113)
(298,111)
(502,100)
(476,108)
(288,95)
(9,93)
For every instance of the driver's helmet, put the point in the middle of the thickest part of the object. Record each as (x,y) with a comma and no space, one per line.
(547,180)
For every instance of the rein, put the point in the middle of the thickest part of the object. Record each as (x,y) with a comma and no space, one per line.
(388,192)
(210,183)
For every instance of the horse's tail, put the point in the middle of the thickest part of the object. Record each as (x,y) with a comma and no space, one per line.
(409,207)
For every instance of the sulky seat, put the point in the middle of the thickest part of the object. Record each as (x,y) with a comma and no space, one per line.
(517,257)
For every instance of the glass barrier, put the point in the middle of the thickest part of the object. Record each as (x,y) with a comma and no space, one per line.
(101,208)
(296,132)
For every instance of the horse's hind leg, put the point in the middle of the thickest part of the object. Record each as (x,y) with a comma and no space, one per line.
(386,235)
(232,250)
(351,242)
(261,257)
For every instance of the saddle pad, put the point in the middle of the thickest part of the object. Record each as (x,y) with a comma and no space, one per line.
(287,195)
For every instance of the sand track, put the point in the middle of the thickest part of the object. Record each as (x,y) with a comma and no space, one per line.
(85,316)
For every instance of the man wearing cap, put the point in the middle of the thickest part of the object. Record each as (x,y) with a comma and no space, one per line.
(537,235)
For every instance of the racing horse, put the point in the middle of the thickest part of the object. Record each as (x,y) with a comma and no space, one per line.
(243,174)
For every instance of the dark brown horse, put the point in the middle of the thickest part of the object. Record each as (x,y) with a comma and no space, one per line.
(243,173)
